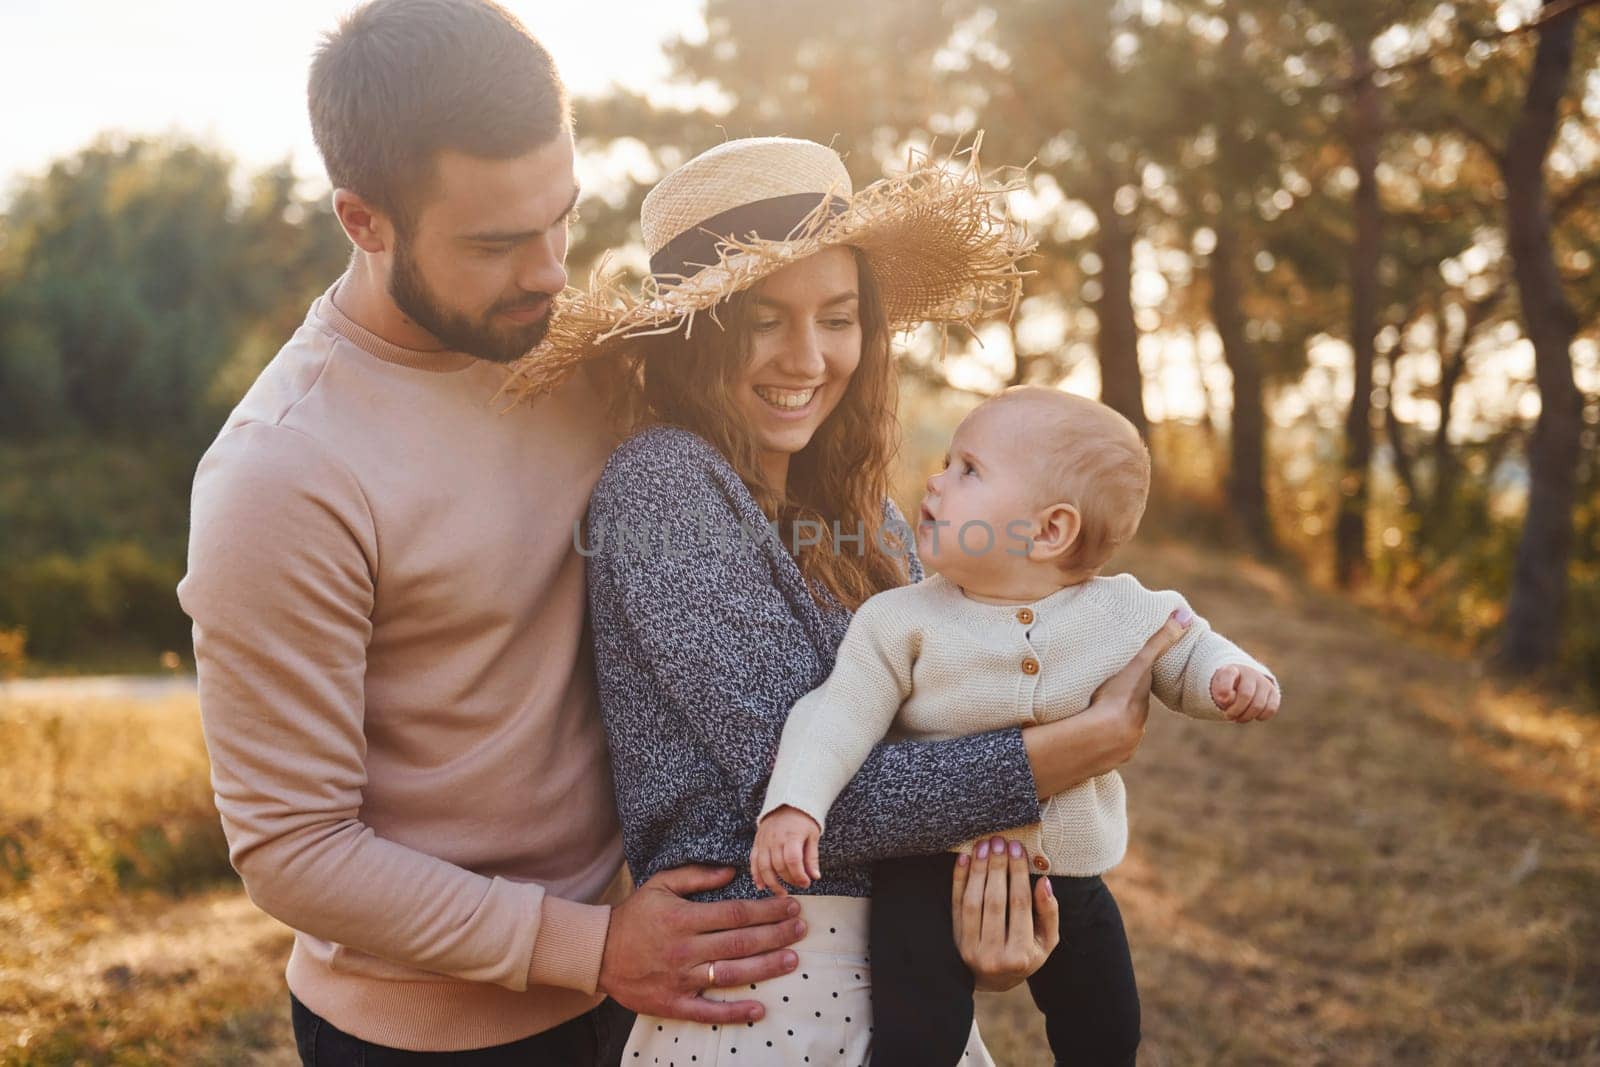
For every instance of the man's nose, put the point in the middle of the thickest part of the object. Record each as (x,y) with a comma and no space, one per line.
(541,270)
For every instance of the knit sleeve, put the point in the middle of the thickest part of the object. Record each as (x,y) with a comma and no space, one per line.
(833,728)
(703,613)
(1182,678)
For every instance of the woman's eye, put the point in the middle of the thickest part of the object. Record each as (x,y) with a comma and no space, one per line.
(765,327)
(839,324)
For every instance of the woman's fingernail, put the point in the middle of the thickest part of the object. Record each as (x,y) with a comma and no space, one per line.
(983,850)
(963,859)
(997,844)
(1183,616)
(1049,888)
(1016,848)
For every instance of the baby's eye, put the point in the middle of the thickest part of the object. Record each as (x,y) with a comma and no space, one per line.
(967,468)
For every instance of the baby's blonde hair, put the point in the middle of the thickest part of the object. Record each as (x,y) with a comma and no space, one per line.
(1087,455)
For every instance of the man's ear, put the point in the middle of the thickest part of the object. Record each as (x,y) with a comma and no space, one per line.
(368,227)
(1059,526)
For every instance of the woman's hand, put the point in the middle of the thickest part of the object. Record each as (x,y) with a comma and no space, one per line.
(1003,931)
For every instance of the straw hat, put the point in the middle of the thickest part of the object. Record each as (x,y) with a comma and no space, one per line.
(937,238)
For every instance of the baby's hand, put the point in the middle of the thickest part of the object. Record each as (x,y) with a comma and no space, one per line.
(785,848)
(1244,695)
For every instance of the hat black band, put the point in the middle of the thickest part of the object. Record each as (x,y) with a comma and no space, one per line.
(774,219)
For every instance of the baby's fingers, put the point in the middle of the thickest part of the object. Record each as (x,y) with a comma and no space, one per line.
(769,874)
(813,864)
(1272,704)
(794,869)
(1250,686)
(1223,684)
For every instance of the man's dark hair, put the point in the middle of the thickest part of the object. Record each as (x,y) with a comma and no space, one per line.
(401,80)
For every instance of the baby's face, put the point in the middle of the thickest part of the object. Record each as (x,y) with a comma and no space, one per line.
(978,512)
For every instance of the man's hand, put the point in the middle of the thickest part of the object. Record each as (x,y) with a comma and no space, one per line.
(660,947)
(785,851)
(1244,694)
(1003,932)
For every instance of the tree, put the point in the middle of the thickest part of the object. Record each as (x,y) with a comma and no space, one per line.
(1535,616)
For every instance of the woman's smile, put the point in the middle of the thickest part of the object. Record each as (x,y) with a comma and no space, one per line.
(789,403)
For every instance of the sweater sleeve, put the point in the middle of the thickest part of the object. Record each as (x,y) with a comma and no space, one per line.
(282,554)
(833,728)
(701,620)
(1182,678)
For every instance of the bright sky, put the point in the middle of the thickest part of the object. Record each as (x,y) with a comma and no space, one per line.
(235,73)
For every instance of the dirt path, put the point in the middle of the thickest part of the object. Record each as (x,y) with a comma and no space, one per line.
(121,688)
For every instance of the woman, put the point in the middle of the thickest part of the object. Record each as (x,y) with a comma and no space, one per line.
(733,535)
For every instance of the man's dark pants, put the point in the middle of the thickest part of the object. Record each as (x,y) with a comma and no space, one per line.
(594,1039)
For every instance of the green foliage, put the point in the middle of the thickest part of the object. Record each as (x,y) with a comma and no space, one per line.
(131,272)
(140,292)
(69,604)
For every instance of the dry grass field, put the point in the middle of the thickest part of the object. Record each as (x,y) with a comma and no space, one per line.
(1404,867)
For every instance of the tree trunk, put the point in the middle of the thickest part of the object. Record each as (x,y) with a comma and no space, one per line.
(1452,371)
(1247,492)
(1121,385)
(1350,532)
(1246,480)
(1534,616)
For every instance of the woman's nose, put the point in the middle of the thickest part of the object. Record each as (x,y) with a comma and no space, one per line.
(802,356)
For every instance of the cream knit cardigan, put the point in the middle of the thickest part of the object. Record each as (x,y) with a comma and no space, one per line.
(926,662)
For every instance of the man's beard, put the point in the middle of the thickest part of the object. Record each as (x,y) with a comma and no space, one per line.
(458,332)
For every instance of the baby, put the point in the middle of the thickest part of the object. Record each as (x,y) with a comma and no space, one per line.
(1013,627)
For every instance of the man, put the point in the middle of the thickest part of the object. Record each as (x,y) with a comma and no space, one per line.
(395,679)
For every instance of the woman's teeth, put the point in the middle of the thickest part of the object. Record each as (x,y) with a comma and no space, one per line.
(788,399)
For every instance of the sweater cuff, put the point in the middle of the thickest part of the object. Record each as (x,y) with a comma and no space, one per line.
(571,942)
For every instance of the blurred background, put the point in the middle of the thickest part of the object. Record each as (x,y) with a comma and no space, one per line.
(1336,259)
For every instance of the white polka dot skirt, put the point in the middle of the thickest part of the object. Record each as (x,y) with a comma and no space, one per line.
(819,1014)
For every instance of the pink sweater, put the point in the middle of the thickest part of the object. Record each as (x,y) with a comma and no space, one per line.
(397,688)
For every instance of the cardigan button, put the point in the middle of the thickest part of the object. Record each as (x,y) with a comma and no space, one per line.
(1041,863)
(1025,616)
(1030,666)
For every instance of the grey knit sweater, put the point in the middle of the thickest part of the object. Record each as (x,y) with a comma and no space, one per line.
(705,636)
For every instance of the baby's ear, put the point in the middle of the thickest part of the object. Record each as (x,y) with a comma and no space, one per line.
(1059,527)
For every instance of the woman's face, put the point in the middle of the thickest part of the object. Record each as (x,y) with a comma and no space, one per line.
(805,343)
